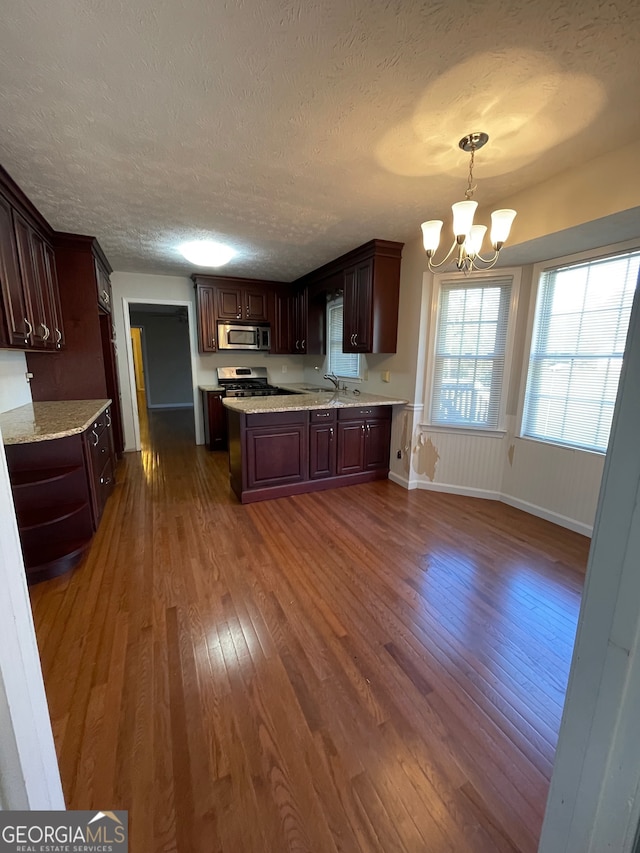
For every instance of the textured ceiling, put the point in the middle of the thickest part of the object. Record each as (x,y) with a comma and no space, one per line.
(296,131)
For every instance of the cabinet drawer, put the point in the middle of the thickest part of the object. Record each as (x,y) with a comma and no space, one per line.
(322,416)
(357,414)
(276,418)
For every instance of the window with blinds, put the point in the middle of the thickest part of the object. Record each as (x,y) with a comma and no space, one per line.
(346,365)
(580,329)
(471,340)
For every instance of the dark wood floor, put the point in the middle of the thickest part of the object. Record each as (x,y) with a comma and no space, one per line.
(365,669)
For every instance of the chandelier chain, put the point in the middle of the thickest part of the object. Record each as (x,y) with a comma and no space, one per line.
(471,188)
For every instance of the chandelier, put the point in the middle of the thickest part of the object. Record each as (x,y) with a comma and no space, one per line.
(467,243)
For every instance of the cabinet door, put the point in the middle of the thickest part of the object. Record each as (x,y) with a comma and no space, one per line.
(206,317)
(229,303)
(55,309)
(377,439)
(358,307)
(350,447)
(322,451)
(15,332)
(49,321)
(215,420)
(103,284)
(276,455)
(301,320)
(254,305)
(32,283)
(282,340)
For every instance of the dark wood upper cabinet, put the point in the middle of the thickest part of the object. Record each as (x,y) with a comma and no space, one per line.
(240,299)
(206,312)
(225,298)
(32,317)
(14,328)
(369,277)
(103,284)
(86,369)
(357,334)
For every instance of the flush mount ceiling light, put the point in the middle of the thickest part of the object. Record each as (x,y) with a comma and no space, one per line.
(207,253)
(468,237)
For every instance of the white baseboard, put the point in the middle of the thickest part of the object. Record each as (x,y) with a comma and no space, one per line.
(170,406)
(487,494)
(555,517)
(410,485)
(470,492)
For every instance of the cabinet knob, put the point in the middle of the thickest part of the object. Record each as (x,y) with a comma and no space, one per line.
(105,296)
(330,432)
(46,332)
(353,341)
(108,419)
(302,345)
(213,343)
(297,344)
(29,327)
(95,435)
(58,336)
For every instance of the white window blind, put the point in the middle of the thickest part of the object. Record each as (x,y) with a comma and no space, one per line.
(579,334)
(343,364)
(471,339)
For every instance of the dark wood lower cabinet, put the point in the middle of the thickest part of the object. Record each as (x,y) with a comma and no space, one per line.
(322,444)
(276,454)
(215,420)
(60,487)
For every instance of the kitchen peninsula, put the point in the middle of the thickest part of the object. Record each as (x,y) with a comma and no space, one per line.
(304,442)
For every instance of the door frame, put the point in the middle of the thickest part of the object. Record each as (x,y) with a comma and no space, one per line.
(127,301)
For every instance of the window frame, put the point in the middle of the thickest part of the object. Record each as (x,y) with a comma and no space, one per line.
(597,254)
(331,304)
(482,276)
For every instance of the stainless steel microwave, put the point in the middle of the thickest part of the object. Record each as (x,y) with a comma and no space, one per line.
(247,336)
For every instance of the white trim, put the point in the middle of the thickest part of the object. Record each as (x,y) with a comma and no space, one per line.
(538,269)
(29,775)
(132,300)
(452,429)
(515,274)
(488,494)
(468,491)
(548,515)
(407,483)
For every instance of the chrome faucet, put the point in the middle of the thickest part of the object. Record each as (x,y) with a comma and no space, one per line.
(333,378)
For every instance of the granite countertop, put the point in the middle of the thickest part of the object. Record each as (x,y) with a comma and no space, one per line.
(48,420)
(302,400)
(210,387)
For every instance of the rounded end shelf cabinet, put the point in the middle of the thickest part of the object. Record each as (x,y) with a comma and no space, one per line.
(58,497)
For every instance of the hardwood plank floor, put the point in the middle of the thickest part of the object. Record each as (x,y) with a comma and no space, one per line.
(365,669)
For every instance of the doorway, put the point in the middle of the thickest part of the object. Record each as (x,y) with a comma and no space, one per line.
(160,363)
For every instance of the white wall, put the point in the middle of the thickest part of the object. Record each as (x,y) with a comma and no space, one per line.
(14,389)
(140,287)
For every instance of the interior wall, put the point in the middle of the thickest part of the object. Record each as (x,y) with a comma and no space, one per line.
(168,360)
(14,389)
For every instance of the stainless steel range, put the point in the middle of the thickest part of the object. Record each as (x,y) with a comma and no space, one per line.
(247,382)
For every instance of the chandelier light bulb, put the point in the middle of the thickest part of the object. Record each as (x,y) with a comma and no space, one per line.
(501,226)
(431,235)
(463,213)
(473,243)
